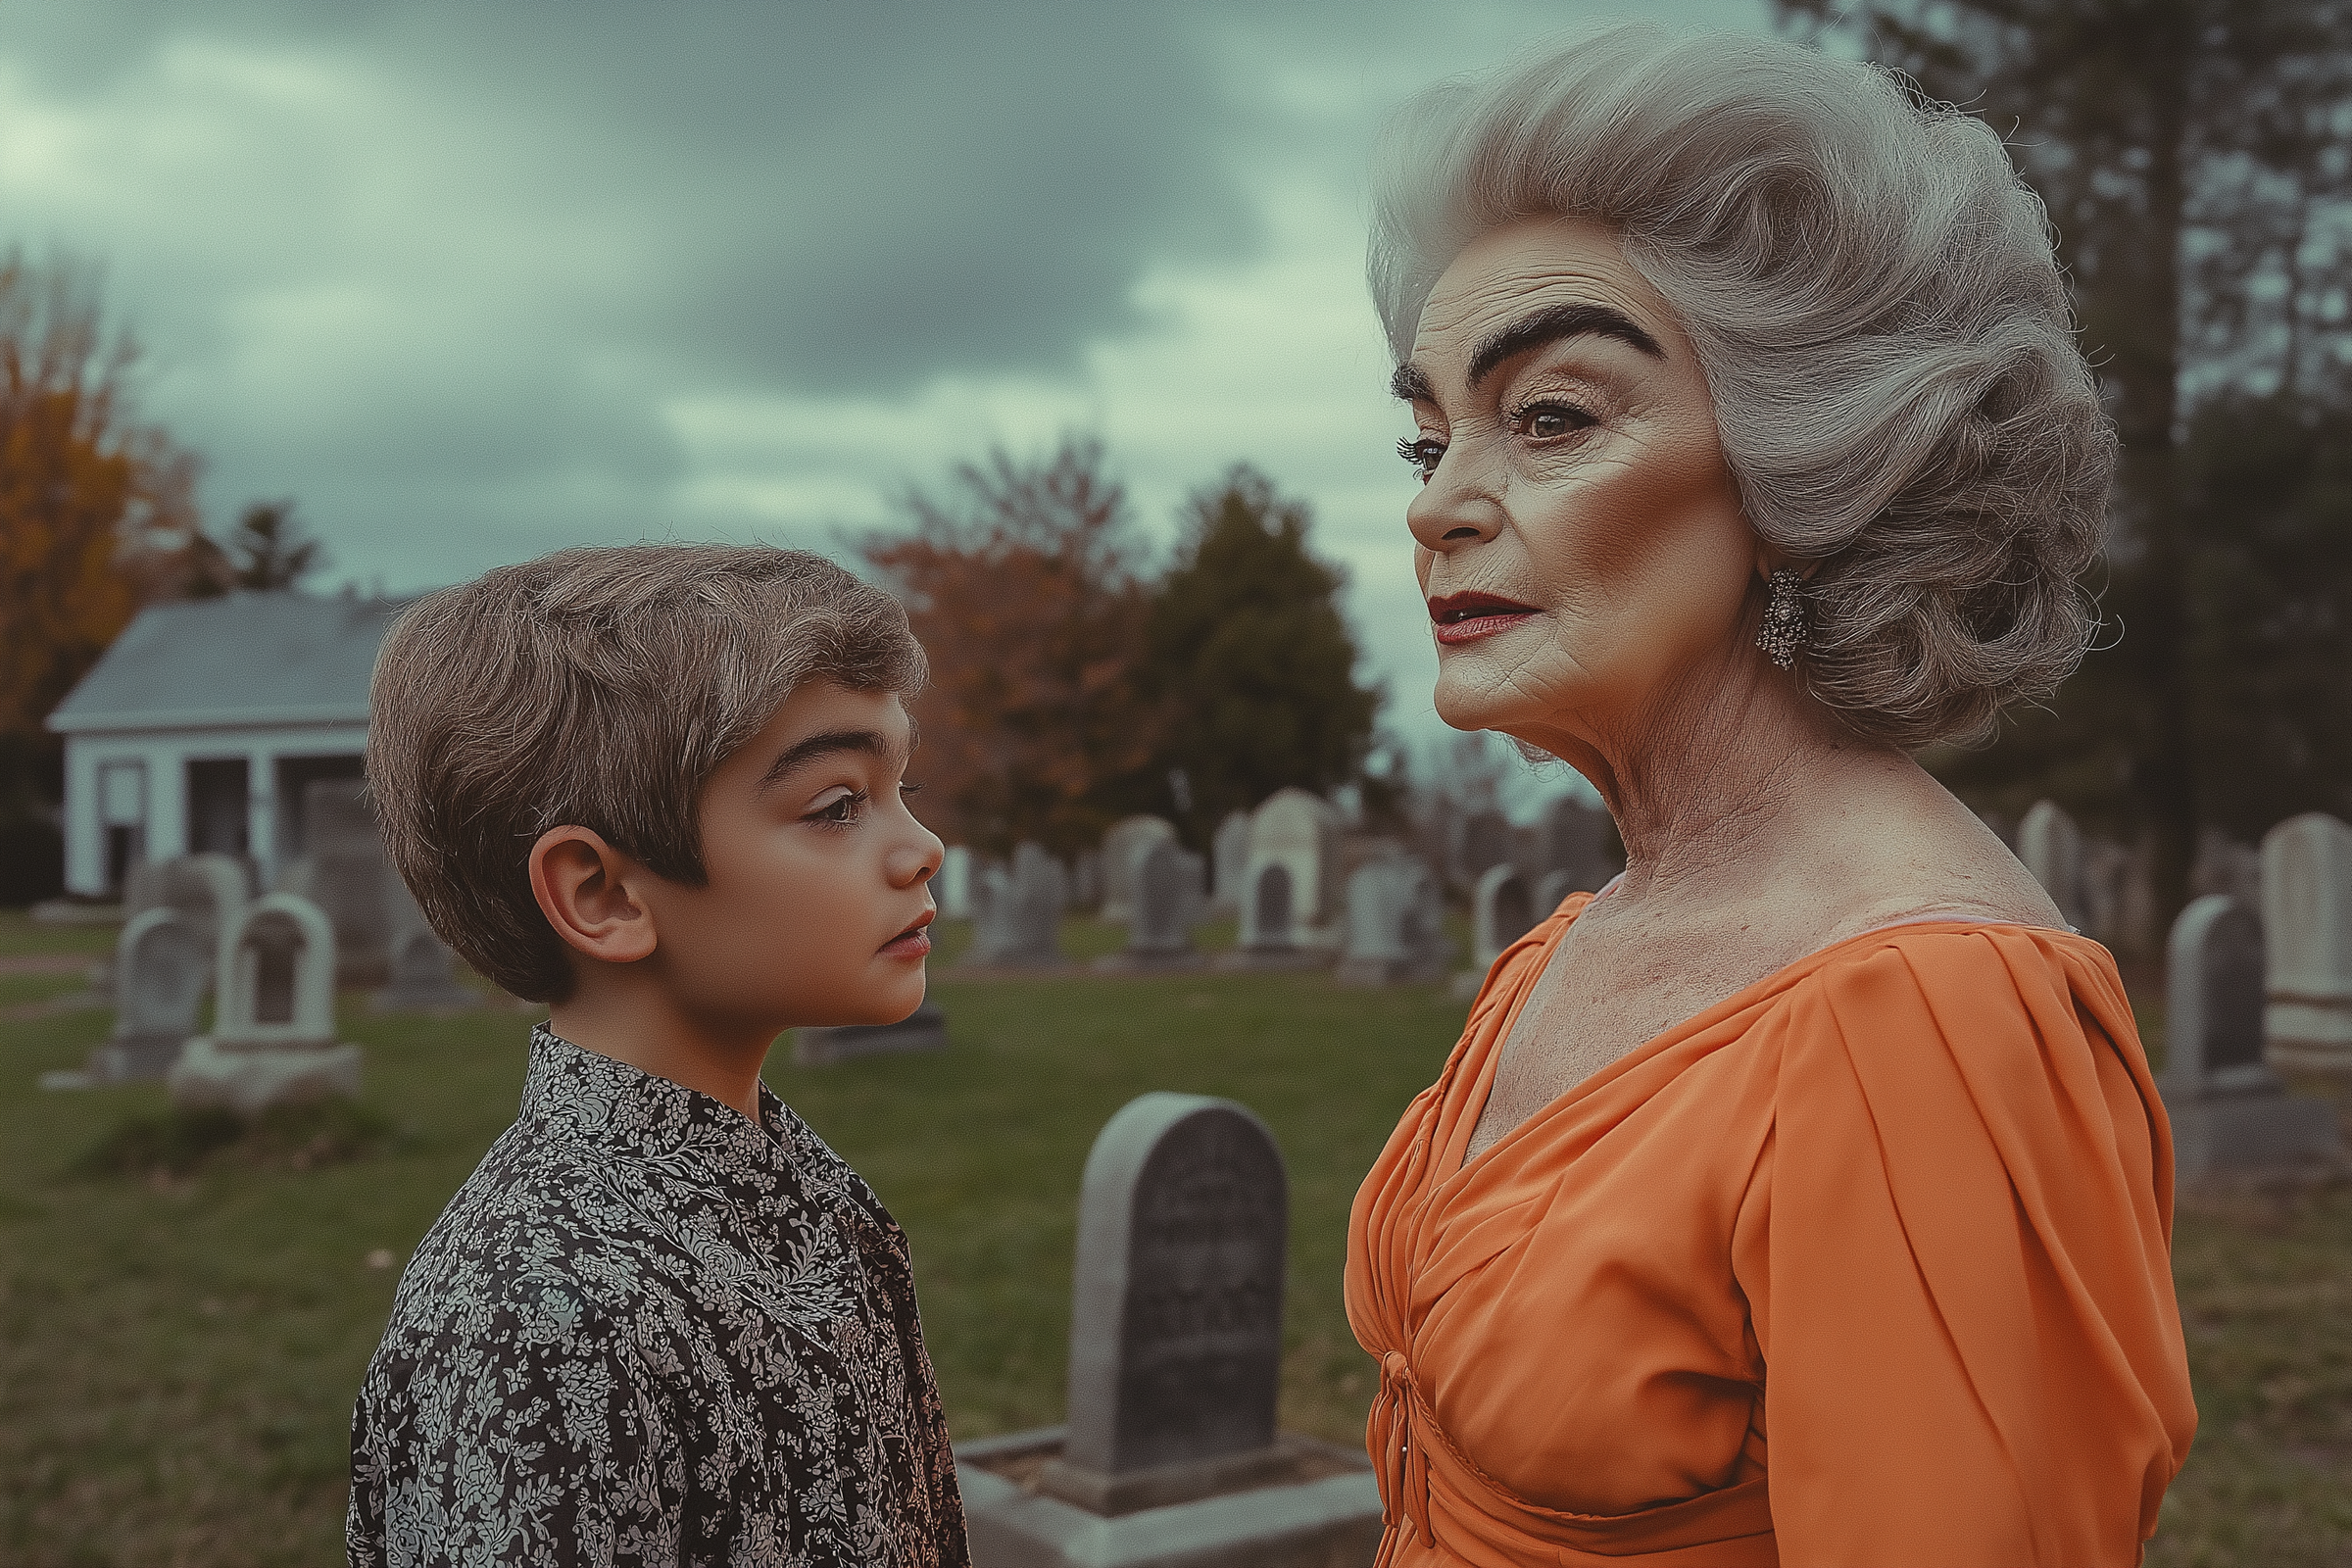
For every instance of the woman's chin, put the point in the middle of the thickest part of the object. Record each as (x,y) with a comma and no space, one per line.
(1469,700)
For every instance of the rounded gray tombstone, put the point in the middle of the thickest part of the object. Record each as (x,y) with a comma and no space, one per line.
(1176,1327)
(1273,894)
(2214,997)
(163,964)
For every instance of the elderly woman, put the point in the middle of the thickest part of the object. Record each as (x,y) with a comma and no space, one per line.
(1805,1196)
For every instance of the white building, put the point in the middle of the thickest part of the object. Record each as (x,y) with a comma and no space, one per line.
(203,723)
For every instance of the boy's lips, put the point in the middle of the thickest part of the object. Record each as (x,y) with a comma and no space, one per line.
(1466,617)
(911,943)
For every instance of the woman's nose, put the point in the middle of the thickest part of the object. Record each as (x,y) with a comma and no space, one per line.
(1453,512)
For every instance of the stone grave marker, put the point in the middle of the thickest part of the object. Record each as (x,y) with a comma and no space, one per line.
(1019,917)
(424,972)
(1484,841)
(924,1029)
(208,890)
(1291,906)
(1170,1454)
(2229,1111)
(1228,861)
(2051,848)
(348,876)
(2307,910)
(164,963)
(1576,847)
(1168,895)
(1395,925)
(1123,849)
(1503,910)
(273,1027)
(951,888)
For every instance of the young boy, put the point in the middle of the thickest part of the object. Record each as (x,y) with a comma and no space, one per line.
(660,789)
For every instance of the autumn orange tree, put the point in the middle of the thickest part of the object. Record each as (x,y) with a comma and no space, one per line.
(97,508)
(1021,579)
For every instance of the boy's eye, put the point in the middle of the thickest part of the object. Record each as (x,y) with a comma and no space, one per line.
(841,809)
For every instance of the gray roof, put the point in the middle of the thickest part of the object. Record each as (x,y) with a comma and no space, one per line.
(244,660)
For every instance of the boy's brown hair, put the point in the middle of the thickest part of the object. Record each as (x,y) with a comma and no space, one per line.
(597,688)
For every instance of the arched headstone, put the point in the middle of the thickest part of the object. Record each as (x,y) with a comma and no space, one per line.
(2307,908)
(1395,925)
(1271,901)
(1176,1320)
(273,1025)
(2228,1111)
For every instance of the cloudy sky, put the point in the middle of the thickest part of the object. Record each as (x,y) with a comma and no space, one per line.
(475,281)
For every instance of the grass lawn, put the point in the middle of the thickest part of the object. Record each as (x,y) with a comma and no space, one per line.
(177,1354)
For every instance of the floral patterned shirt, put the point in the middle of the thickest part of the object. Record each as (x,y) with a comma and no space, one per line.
(647,1331)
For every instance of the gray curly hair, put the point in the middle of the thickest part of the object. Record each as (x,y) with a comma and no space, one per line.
(1873,297)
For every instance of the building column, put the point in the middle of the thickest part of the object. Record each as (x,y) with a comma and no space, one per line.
(260,815)
(166,803)
(85,835)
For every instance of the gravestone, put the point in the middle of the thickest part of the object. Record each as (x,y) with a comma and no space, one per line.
(164,963)
(348,877)
(1229,860)
(924,1029)
(1577,839)
(1503,910)
(1395,925)
(1168,894)
(1019,917)
(1170,1454)
(1484,841)
(2118,896)
(951,888)
(2051,848)
(424,975)
(1123,849)
(2307,909)
(2230,1112)
(1290,901)
(273,1025)
(1552,889)
(208,890)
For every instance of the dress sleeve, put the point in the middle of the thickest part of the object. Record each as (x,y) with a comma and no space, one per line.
(1958,1262)
(536,1436)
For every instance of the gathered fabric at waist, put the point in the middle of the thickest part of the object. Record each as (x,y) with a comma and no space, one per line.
(1438,1507)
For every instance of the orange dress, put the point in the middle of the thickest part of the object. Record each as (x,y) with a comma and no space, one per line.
(1867,1264)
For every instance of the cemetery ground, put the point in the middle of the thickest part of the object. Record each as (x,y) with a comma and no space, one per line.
(180,1340)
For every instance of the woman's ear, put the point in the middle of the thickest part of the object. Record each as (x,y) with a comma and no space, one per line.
(1771,558)
(582,885)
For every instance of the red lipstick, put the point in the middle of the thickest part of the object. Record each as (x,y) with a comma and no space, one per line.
(1466,617)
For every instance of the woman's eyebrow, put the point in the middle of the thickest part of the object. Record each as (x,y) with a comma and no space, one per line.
(1549,327)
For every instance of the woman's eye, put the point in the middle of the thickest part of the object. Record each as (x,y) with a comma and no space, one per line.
(1548,421)
(1424,455)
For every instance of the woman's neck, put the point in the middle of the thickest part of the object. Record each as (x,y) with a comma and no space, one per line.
(1723,776)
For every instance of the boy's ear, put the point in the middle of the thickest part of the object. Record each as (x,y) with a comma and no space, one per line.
(581,883)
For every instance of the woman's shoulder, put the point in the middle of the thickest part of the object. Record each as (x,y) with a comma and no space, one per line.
(1986,1012)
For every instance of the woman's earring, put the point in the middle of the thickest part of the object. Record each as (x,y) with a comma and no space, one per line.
(1784,630)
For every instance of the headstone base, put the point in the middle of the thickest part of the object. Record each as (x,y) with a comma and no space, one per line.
(1317,1507)
(446,995)
(2261,1128)
(2304,1033)
(1132,961)
(1390,972)
(124,1061)
(1274,960)
(249,1081)
(924,1029)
